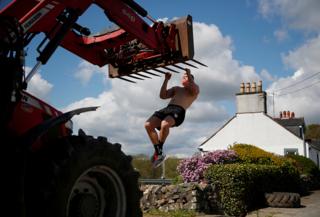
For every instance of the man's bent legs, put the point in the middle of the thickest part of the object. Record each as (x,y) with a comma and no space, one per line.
(150,125)
(165,127)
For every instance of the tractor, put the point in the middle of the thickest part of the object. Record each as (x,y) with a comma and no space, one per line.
(49,170)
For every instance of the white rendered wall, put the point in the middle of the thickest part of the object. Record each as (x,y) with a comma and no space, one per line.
(256,129)
(251,102)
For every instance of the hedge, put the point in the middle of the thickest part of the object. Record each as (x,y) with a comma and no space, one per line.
(252,154)
(241,187)
(310,173)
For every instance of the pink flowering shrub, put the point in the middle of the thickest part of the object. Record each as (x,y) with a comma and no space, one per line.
(192,169)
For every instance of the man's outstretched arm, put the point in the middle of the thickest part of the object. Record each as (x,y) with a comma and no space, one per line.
(164,92)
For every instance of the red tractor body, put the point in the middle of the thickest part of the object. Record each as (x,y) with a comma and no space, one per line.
(30,112)
(54,173)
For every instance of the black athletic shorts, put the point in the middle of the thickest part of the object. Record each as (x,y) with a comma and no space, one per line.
(175,111)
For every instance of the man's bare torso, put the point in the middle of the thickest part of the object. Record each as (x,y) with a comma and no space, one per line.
(182,97)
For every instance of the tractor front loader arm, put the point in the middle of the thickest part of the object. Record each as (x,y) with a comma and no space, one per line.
(136,46)
(133,48)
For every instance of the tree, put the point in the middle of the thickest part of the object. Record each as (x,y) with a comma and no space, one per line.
(313,131)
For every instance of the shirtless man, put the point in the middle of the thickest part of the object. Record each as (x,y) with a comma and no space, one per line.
(171,116)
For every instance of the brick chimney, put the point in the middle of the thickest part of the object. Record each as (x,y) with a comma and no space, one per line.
(251,98)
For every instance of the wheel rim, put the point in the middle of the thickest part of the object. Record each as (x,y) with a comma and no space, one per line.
(97,192)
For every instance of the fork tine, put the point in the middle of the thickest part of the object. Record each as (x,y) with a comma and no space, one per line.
(126,79)
(143,75)
(157,70)
(190,65)
(179,67)
(131,76)
(151,73)
(200,63)
(167,68)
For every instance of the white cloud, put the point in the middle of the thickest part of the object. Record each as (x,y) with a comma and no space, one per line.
(38,86)
(222,78)
(125,107)
(300,92)
(265,75)
(280,35)
(306,56)
(304,104)
(86,70)
(297,14)
(297,92)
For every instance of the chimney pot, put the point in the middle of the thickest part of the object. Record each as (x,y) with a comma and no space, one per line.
(242,87)
(254,87)
(260,86)
(292,115)
(288,114)
(248,87)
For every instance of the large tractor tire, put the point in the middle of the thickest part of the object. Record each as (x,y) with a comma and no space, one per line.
(80,176)
(283,199)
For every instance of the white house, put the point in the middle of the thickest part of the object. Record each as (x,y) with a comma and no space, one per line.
(252,125)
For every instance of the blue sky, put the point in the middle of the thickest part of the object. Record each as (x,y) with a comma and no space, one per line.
(275,41)
(252,36)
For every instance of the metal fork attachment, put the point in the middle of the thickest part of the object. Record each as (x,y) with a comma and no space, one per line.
(175,47)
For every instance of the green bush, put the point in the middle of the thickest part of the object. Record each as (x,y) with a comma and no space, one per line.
(308,170)
(177,180)
(252,154)
(304,165)
(241,187)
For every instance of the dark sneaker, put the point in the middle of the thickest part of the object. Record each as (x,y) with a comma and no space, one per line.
(160,159)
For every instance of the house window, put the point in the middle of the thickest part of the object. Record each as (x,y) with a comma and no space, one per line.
(293,151)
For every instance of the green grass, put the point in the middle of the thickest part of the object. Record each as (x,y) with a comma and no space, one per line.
(176,213)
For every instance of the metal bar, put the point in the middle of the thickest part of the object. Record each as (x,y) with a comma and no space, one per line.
(126,80)
(151,19)
(157,70)
(167,68)
(190,65)
(156,181)
(131,76)
(33,71)
(151,73)
(179,67)
(196,61)
(69,17)
(143,75)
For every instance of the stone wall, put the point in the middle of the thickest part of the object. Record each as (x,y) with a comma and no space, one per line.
(187,196)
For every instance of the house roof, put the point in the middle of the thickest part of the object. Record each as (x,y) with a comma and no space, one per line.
(290,122)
